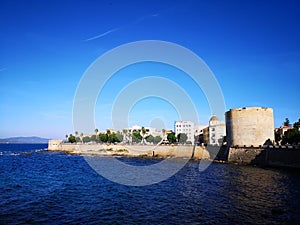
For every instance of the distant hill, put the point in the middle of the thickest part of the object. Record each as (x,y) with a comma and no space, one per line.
(24,140)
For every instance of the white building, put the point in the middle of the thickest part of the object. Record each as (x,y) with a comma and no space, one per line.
(198,129)
(185,127)
(217,131)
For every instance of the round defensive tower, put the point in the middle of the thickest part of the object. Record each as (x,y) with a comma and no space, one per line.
(249,126)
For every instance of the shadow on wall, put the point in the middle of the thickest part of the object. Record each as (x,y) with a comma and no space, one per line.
(268,142)
(278,156)
(266,155)
(218,152)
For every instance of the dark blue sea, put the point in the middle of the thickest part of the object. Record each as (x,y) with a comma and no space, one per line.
(41,187)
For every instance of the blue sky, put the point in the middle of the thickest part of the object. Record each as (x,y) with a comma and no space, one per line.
(252,47)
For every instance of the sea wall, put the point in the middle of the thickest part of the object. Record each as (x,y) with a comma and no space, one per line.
(197,152)
(276,156)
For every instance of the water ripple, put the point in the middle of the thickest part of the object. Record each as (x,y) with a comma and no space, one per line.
(51,188)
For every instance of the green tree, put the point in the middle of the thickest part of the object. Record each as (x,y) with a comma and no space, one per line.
(143,134)
(119,137)
(291,136)
(150,138)
(111,138)
(136,137)
(71,138)
(182,138)
(157,139)
(77,139)
(286,122)
(115,137)
(81,136)
(297,125)
(103,137)
(171,138)
(86,139)
(93,138)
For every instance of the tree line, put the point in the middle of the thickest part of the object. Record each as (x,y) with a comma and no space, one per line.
(291,136)
(108,137)
(117,137)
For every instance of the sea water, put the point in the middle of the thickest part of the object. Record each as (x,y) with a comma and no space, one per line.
(41,187)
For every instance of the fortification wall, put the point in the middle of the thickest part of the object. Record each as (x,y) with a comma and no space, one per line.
(251,126)
(54,144)
(277,156)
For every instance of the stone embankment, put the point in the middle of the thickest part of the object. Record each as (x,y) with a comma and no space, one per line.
(197,152)
(274,156)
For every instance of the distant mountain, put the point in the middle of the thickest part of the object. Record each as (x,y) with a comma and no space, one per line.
(24,140)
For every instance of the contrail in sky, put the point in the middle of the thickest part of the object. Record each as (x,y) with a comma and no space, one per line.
(119,28)
(103,34)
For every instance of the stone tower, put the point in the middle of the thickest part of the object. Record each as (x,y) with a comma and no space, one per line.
(249,126)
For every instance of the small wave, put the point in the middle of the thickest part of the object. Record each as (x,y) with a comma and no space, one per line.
(41,150)
(14,154)
(26,153)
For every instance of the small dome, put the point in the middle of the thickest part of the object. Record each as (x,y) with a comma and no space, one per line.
(213,118)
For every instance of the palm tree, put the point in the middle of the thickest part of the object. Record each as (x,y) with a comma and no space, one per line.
(164,133)
(81,136)
(76,133)
(143,134)
(67,137)
(108,133)
(125,135)
(97,137)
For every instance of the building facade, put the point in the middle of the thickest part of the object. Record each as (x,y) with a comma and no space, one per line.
(216,131)
(206,135)
(280,132)
(185,127)
(251,126)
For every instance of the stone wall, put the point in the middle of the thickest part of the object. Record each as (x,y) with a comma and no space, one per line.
(247,156)
(198,152)
(251,126)
(277,156)
(54,144)
(283,157)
